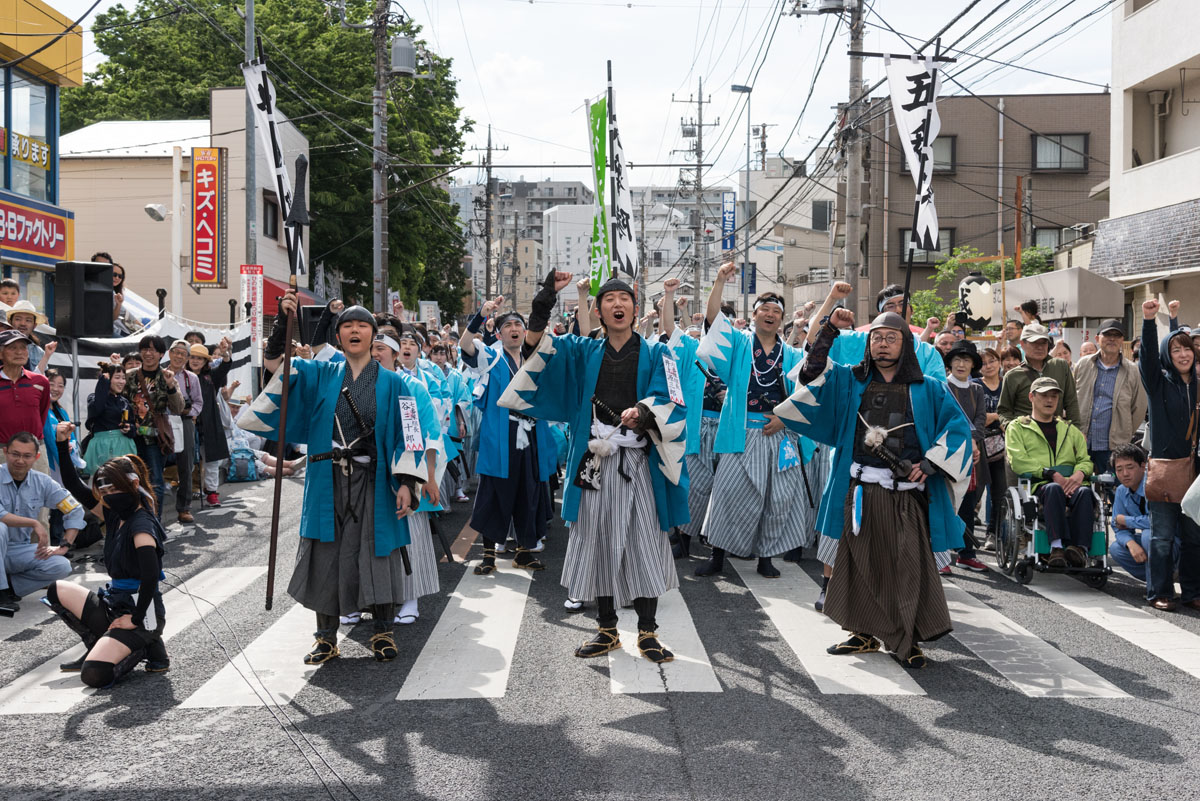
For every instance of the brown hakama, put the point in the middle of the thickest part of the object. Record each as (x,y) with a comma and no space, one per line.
(886,582)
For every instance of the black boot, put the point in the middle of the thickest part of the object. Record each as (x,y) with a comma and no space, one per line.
(9,605)
(714,565)
(682,547)
(766,569)
(793,555)
(820,604)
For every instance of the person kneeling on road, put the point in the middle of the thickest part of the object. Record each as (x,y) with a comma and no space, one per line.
(1054,452)
(1130,547)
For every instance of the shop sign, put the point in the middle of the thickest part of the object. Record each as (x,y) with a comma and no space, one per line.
(36,232)
(25,148)
(210,183)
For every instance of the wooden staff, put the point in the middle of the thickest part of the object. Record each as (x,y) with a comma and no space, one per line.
(295,218)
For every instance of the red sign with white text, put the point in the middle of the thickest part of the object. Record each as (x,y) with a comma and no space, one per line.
(209,189)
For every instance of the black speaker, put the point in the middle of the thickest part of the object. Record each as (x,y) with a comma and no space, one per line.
(83,299)
(309,317)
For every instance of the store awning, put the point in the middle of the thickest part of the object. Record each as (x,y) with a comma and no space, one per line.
(1064,295)
(273,290)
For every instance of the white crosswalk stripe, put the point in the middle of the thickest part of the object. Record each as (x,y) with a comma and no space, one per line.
(470,652)
(46,691)
(271,663)
(1034,667)
(471,649)
(34,613)
(691,672)
(788,602)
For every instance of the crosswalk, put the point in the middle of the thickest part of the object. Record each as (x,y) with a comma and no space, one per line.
(470,650)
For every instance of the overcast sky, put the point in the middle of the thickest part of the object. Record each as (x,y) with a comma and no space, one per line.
(526,67)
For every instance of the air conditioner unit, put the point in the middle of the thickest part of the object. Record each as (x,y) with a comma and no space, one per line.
(792,242)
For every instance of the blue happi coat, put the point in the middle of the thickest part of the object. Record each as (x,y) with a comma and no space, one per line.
(827,410)
(557,383)
(312,398)
(692,378)
(431,430)
(492,373)
(729,352)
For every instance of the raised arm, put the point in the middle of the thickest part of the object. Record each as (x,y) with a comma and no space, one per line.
(466,343)
(543,305)
(667,317)
(724,275)
(839,291)
(583,312)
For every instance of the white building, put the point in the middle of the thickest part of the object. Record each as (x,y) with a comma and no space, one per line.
(1151,243)
(469,197)
(567,241)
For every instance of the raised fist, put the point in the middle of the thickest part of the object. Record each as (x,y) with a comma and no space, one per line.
(670,285)
(1150,308)
(840,290)
(1172,308)
(842,318)
(725,273)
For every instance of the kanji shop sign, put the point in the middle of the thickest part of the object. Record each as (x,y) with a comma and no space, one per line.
(35,232)
(210,185)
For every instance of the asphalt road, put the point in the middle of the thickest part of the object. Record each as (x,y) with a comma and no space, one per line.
(557,729)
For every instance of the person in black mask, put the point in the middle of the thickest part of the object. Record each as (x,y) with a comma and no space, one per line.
(121,624)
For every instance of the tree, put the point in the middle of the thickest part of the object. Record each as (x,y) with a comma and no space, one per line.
(162,60)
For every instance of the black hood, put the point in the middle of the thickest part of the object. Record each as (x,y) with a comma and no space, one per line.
(909,369)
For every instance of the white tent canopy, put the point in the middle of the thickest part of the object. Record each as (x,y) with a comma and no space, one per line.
(1063,295)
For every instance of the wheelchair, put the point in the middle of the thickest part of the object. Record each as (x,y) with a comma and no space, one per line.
(1023,539)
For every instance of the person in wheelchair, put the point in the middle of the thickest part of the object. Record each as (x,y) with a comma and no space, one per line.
(1054,453)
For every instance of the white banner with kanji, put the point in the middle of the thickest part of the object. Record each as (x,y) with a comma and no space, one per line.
(914,86)
(624,246)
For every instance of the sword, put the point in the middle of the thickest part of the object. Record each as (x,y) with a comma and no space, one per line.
(441,538)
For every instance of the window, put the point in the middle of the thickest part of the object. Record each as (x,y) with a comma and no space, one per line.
(1060,152)
(29,137)
(945,155)
(945,247)
(822,210)
(1047,238)
(270,228)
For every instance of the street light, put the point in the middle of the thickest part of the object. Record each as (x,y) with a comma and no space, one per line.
(158,212)
(746,90)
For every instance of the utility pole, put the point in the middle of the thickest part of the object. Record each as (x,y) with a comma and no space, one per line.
(1017,232)
(251,157)
(488,194)
(854,166)
(697,221)
(762,144)
(379,257)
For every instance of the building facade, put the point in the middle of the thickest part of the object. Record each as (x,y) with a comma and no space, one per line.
(111,215)
(1058,144)
(1151,243)
(36,228)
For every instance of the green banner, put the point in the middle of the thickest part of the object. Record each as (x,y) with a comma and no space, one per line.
(598,139)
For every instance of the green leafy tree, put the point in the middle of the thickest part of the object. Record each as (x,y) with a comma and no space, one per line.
(163,58)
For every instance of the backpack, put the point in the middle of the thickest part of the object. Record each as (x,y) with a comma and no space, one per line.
(241,466)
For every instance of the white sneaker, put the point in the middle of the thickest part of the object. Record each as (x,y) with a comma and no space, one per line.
(352,619)
(462,498)
(541,546)
(572,604)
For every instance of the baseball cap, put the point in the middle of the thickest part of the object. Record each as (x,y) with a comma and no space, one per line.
(11,336)
(1111,324)
(1034,331)
(1045,384)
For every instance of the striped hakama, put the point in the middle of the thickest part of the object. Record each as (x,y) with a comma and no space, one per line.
(886,582)
(756,509)
(615,547)
(422,558)
(701,467)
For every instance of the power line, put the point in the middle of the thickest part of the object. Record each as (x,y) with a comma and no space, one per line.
(52,42)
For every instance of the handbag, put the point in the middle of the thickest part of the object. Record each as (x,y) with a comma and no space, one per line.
(993,446)
(1168,480)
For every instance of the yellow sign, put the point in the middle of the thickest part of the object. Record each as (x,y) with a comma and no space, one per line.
(26,149)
